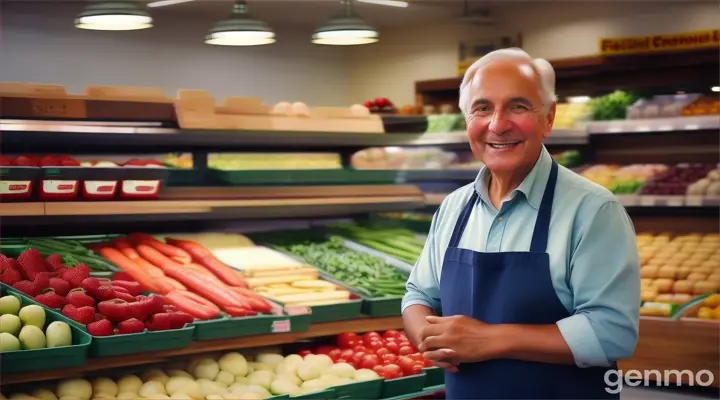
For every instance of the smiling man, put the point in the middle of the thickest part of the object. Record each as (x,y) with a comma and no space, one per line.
(529,282)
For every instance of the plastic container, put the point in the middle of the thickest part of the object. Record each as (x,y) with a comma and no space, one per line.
(403,386)
(60,183)
(142,183)
(227,327)
(71,356)
(183,177)
(434,376)
(373,307)
(101,183)
(17,183)
(360,390)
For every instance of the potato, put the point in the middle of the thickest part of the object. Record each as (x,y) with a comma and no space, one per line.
(681,299)
(665,298)
(683,272)
(704,269)
(663,285)
(691,263)
(645,282)
(697,276)
(648,294)
(705,287)
(683,286)
(667,271)
(714,277)
(649,272)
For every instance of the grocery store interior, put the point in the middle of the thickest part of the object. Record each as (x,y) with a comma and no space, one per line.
(220,199)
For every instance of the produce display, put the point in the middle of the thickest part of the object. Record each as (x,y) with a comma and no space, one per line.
(27,328)
(400,243)
(676,179)
(676,269)
(62,160)
(709,308)
(707,186)
(380,105)
(567,115)
(71,252)
(365,274)
(568,159)
(674,105)
(273,161)
(623,179)
(611,106)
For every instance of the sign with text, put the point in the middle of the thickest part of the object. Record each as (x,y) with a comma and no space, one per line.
(656,43)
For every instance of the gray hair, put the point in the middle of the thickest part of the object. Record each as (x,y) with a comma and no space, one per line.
(542,67)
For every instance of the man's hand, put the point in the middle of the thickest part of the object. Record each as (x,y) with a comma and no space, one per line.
(459,339)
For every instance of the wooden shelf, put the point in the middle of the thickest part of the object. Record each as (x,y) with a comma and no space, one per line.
(315,331)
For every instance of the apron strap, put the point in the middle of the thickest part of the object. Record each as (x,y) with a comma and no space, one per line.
(462,221)
(542,223)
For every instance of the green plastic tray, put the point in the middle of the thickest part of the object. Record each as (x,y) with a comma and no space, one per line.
(328,394)
(225,327)
(402,386)
(44,359)
(360,390)
(425,392)
(278,397)
(434,376)
(303,177)
(12,249)
(183,177)
(382,307)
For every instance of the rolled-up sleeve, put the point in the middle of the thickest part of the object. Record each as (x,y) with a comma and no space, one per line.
(423,285)
(605,282)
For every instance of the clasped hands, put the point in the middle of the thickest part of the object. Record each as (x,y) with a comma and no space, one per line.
(449,341)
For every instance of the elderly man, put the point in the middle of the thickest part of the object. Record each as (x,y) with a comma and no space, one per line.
(533,269)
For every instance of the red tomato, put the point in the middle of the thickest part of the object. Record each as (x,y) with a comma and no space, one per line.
(389,358)
(382,351)
(375,346)
(378,369)
(334,354)
(405,351)
(324,349)
(406,364)
(391,333)
(367,337)
(370,361)
(360,349)
(427,363)
(402,338)
(416,356)
(391,371)
(347,355)
(393,347)
(357,358)
(416,369)
(304,352)
(347,340)
(390,340)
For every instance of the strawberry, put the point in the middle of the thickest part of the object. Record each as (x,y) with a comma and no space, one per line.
(6,161)
(83,315)
(132,325)
(26,287)
(134,162)
(178,319)
(146,306)
(60,286)
(11,277)
(159,322)
(76,275)
(8,263)
(122,276)
(54,262)
(78,298)
(124,296)
(26,161)
(102,327)
(99,316)
(50,161)
(34,287)
(31,263)
(67,161)
(50,299)
(116,310)
(133,288)
(169,308)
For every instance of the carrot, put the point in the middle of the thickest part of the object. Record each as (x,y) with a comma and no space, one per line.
(169,251)
(204,257)
(156,258)
(129,266)
(256,301)
(207,287)
(126,248)
(199,268)
(177,285)
(190,303)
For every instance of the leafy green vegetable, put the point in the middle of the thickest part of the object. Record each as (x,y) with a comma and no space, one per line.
(612,106)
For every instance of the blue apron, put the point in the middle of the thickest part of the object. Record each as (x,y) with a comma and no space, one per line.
(511,288)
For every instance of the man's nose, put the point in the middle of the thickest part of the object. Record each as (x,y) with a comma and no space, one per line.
(499,123)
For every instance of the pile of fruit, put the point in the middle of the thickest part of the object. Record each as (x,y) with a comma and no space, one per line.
(675,180)
(623,180)
(707,186)
(134,163)
(71,252)
(25,328)
(28,160)
(380,105)
(675,269)
(390,354)
(710,308)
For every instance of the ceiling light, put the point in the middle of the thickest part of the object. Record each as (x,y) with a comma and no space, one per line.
(391,3)
(163,3)
(113,16)
(715,88)
(345,29)
(241,29)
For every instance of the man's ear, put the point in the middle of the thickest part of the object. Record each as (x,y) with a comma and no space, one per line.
(550,118)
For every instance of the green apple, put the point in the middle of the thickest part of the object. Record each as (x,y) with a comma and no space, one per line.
(9,305)
(58,334)
(10,323)
(8,342)
(32,315)
(31,337)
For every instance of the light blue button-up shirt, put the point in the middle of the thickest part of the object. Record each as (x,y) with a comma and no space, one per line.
(594,261)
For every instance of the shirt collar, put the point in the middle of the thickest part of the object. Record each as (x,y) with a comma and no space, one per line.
(532,187)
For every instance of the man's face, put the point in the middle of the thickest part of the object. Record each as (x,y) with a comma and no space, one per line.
(506,122)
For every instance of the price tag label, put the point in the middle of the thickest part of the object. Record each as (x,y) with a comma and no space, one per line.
(58,108)
(281,326)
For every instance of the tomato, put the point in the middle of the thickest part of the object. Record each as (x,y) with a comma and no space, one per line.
(416,356)
(406,364)
(416,370)
(393,347)
(360,349)
(378,369)
(427,363)
(405,351)
(347,355)
(370,361)
(334,354)
(382,351)
(367,337)
(402,338)
(390,340)
(389,358)
(390,333)
(304,352)
(391,371)
(324,349)
(347,340)
(357,358)
(375,346)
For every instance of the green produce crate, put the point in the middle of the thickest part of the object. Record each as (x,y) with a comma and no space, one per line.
(382,307)
(228,327)
(303,177)
(425,392)
(183,177)
(328,394)
(12,250)
(434,376)
(278,397)
(403,386)
(45,359)
(360,390)
(337,312)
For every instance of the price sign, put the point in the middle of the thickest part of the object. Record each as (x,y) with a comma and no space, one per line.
(281,326)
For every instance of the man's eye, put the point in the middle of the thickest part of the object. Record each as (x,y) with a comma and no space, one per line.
(518,108)
(482,109)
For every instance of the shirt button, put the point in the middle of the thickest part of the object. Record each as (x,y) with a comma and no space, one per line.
(500,219)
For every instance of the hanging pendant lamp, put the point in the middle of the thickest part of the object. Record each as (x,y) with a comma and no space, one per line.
(345,29)
(241,29)
(113,16)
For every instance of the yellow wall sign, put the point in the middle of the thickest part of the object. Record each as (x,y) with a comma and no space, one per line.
(655,43)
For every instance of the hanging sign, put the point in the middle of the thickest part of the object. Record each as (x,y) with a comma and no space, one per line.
(656,43)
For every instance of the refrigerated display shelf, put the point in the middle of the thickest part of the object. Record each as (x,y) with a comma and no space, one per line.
(641,201)
(628,126)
